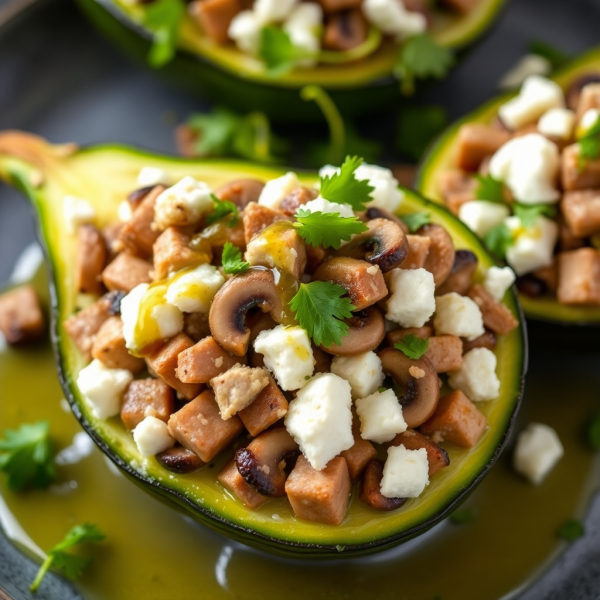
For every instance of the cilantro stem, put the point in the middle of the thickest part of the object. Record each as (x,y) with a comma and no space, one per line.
(371,43)
(41,573)
(337,130)
(260,125)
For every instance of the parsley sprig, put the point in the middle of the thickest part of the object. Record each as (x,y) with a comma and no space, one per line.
(415,221)
(490,189)
(343,187)
(278,52)
(327,229)
(222,209)
(320,307)
(412,346)
(231,260)
(72,566)
(26,456)
(163,18)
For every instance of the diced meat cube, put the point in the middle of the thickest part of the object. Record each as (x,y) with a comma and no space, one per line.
(270,406)
(111,235)
(578,175)
(487,340)
(240,191)
(237,388)
(199,427)
(437,457)
(319,496)
(566,239)
(109,347)
(147,398)
(138,235)
(83,326)
(456,420)
(549,275)
(579,277)
(164,364)
(358,456)
(588,98)
(21,318)
(581,210)
(456,187)
(172,252)
(296,199)
(257,217)
(126,272)
(496,316)
(230,478)
(202,361)
(445,353)
(196,325)
(418,250)
(215,16)
(91,259)
(345,30)
(476,141)
(393,337)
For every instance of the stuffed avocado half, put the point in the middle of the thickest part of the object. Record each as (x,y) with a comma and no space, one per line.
(58,178)
(560,285)
(360,78)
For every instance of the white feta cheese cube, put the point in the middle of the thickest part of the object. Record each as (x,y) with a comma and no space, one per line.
(557,122)
(76,212)
(537,95)
(405,473)
(304,26)
(276,190)
(194,289)
(183,203)
(533,247)
(287,354)
(412,297)
(458,315)
(530,64)
(319,204)
(477,377)
(152,176)
(392,18)
(528,165)
(497,281)
(103,388)
(588,120)
(168,319)
(320,419)
(362,371)
(380,416)
(130,309)
(480,215)
(538,449)
(151,436)
(124,211)
(273,11)
(386,194)
(244,30)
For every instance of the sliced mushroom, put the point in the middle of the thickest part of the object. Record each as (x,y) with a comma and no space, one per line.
(179,460)
(370,490)
(367,328)
(440,259)
(374,212)
(227,316)
(531,286)
(345,30)
(420,383)
(322,360)
(240,191)
(267,460)
(384,244)
(114,301)
(138,195)
(363,281)
(461,275)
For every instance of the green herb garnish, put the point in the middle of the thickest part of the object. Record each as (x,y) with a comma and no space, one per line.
(278,52)
(415,221)
(594,432)
(412,346)
(343,187)
(571,530)
(416,128)
(163,18)
(327,229)
(528,213)
(490,189)
(381,389)
(499,239)
(232,260)
(555,56)
(462,516)
(589,144)
(222,209)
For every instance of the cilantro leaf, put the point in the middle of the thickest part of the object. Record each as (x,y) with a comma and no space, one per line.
(215,131)
(222,209)
(416,220)
(163,18)
(462,516)
(278,52)
(416,128)
(26,456)
(232,260)
(319,308)
(528,213)
(381,389)
(555,56)
(327,229)
(344,188)
(589,144)
(72,565)
(421,57)
(254,139)
(594,432)
(412,346)
(490,189)
(499,239)
(571,530)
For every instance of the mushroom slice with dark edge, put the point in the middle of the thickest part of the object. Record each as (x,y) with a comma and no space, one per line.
(461,274)
(267,460)
(374,212)
(366,331)
(419,380)
(179,460)
(440,260)
(384,244)
(370,490)
(240,191)
(227,316)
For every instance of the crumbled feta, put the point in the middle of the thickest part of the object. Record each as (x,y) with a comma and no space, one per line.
(533,247)
(124,211)
(130,309)
(193,290)
(588,120)
(319,204)
(244,30)
(477,377)
(304,27)
(530,64)
(412,297)
(320,419)
(77,211)
(497,281)
(405,473)
(151,436)
(103,388)
(528,165)
(273,11)
(183,203)
(362,371)
(557,122)
(537,95)
(481,216)
(276,190)
(538,449)
(152,176)
(287,354)
(168,319)
(392,18)
(458,315)
(380,416)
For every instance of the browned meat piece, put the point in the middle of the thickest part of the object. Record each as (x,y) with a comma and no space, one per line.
(126,272)
(445,353)
(196,326)
(21,318)
(437,457)
(111,234)
(270,406)
(477,141)
(566,239)
(358,456)
(296,199)
(440,259)
(237,388)
(198,426)
(172,252)
(579,277)
(461,276)
(581,210)
(588,98)
(336,5)
(418,249)
(461,6)
(314,257)
(345,30)
(109,347)
(486,340)
(574,89)
(84,325)
(496,316)
(202,361)
(240,191)
(215,16)
(456,187)
(257,217)
(576,174)
(393,337)
(91,259)
(147,398)
(548,275)
(319,496)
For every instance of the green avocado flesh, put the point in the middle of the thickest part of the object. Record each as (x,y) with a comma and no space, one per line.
(104,175)
(440,158)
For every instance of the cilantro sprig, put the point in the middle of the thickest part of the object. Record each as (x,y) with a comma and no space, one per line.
(222,209)
(326,229)
(489,189)
(320,307)
(343,187)
(498,239)
(412,346)
(71,565)
(278,52)
(589,144)
(415,221)
(232,260)
(163,18)
(571,530)
(27,457)
(528,213)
